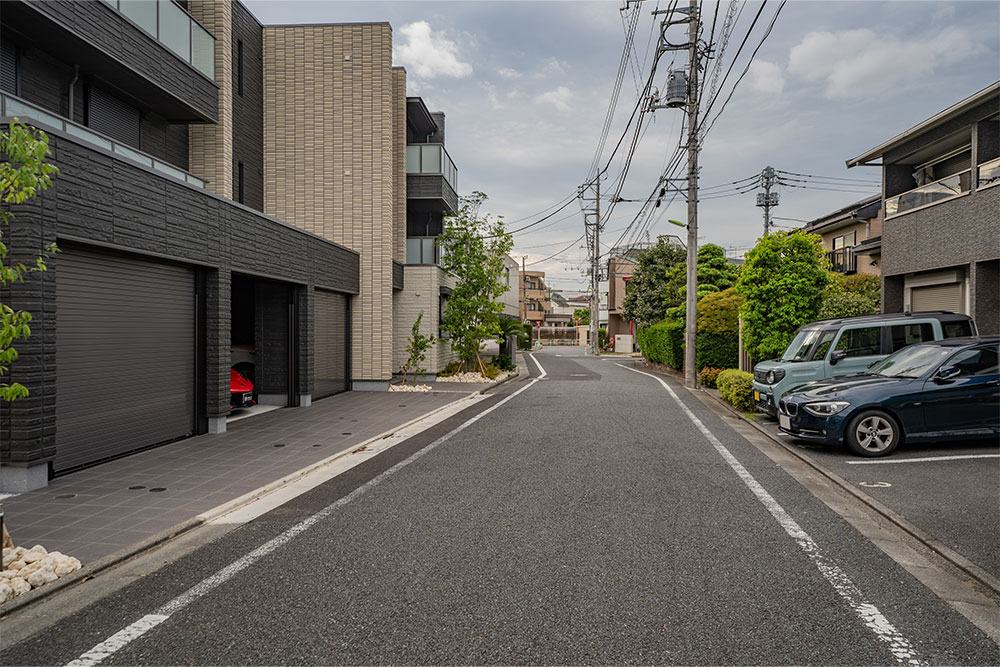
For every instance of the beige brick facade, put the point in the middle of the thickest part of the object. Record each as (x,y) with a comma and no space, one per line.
(399,152)
(210,147)
(421,294)
(332,166)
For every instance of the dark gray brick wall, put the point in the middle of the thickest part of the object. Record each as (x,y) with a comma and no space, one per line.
(271,321)
(987,297)
(167,141)
(248,108)
(103,200)
(430,186)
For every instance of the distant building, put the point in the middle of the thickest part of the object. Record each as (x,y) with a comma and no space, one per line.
(852,236)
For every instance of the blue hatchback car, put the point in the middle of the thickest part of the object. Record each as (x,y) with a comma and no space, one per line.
(942,390)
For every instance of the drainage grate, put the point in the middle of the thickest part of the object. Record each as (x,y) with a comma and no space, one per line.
(66,496)
(278,445)
(136,488)
(157,489)
(346,433)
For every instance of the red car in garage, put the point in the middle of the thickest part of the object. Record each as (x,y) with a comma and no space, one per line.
(240,390)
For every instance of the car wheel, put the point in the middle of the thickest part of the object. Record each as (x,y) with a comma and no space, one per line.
(873,433)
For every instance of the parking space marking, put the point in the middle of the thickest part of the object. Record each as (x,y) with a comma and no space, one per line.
(869,614)
(925,459)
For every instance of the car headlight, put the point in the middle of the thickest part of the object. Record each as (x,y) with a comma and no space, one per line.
(825,408)
(774,376)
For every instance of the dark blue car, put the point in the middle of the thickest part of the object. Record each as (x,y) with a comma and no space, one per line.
(943,390)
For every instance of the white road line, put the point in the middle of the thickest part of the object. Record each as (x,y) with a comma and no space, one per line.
(869,614)
(532,355)
(924,459)
(120,639)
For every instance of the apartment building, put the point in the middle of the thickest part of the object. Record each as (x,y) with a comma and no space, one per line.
(511,298)
(939,241)
(535,302)
(229,193)
(621,266)
(852,236)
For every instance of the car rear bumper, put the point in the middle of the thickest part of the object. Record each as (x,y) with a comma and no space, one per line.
(241,400)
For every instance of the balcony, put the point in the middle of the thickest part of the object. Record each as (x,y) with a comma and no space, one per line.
(989,173)
(930,194)
(13,107)
(432,177)
(843,260)
(422,250)
(174,28)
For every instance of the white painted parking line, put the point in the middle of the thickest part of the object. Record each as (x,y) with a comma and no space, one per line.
(120,639)
(924,459)
(869,614)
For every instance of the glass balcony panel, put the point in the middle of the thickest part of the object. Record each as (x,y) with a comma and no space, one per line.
(413,159)
(113,3)
(194,180)
(175,29)
(429,254)
(87,135)
(203,50)
(167,169)
(989,173)
(931,193)
(134,155)
(430,160)
(24,112)
(413,251)
(142,13)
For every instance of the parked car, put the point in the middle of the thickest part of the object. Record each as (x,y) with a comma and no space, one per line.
(847,346)
(240,390)
(943,390)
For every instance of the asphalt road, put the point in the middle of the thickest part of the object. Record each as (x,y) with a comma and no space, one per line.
(587,519)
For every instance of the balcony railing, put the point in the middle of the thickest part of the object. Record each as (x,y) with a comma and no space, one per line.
(843,261)
(431,159)
(932,193)
(11,107)
(174,28)
(989,173)
(422,250)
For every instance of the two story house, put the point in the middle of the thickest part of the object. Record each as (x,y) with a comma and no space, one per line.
(852,236)
(941,230)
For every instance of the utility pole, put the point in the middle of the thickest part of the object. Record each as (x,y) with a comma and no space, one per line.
(691,311)
(767,199)
(595,274)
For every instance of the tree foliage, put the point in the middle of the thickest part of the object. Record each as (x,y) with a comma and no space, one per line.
(782,281)
(582,316)
(714,275)
(849,296)
(643,301)
(23,174)
(473,249)
(416,348)
(719,312)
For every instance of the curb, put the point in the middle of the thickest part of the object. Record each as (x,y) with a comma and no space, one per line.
(958,560)
(101,564)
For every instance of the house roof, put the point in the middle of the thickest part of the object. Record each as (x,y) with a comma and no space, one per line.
(861,209)
(932,122)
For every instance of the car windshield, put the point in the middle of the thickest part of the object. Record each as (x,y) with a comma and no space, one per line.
(798,349)
(911,362)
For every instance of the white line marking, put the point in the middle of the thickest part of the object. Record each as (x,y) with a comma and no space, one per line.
(928,458)
(869,614)
(120,639)
(532,355)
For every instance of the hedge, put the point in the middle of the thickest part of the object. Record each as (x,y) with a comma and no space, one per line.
(736,388)
(717,350)
(664,343)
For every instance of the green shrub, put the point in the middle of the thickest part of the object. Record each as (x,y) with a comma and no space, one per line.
(602,338)
(849,296)
(708,376)
(491,371)
(503,362)
(736,388)
(719,312)
(524,342)
(451,369)
(663,343)
(717,350)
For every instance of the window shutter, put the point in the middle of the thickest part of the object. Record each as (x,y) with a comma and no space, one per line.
(8,67)
(109,115)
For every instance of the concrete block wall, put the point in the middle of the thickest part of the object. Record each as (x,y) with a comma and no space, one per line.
(331,99)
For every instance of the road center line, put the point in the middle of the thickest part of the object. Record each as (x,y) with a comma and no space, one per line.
(869,614)
(924,459)
(122,638)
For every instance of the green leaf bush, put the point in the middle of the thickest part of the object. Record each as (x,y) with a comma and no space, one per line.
(709,376)
(716,350)
(850,296)
(663,343)
(736,388)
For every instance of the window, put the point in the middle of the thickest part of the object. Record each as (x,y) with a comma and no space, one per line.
(824,344)
(979,361)
(958,329)
(421,250)
(239,182)
(902,335)
(845,241)
(861,342)
(239,69)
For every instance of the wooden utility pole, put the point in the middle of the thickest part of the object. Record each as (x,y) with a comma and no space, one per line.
(691,311)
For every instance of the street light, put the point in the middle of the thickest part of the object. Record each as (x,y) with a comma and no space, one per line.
(677,222)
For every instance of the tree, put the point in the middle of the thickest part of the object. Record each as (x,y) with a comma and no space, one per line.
(473,249)
(581,316)
(714,275)
(416,347)
(849,296)
(23,174)
(782,280)
(643,301)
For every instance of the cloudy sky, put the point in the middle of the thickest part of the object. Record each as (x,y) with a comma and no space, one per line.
(526,87)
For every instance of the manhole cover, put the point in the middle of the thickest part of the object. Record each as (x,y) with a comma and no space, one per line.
(136,488)
(66,496)
(157,489)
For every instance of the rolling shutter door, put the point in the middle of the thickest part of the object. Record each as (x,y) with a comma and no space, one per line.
(331,344)
(937,297)
(109,115)
(125,355)
(8,67)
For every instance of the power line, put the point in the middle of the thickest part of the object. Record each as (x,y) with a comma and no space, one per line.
(580,238)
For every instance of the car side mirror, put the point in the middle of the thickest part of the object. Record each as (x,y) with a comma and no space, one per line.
(837,356)
(947,373)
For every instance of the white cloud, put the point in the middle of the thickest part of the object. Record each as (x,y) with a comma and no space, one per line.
(552,67)
(856,62)
(509,73)
(767,78)
(491,95)
(559,98)
(429,54)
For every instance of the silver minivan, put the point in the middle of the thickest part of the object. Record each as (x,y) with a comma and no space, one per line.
(848,346)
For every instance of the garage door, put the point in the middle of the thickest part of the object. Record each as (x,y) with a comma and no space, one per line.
(331,343)
(938,297)
(125,355)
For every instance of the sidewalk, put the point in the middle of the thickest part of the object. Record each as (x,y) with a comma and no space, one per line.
(101,510)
